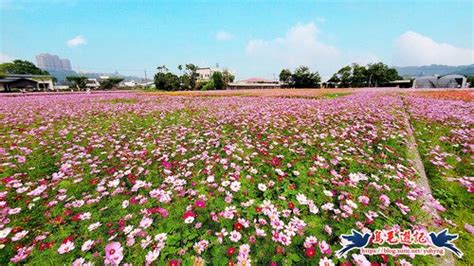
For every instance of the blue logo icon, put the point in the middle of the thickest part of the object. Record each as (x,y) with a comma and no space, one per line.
(443,240)
(356,239)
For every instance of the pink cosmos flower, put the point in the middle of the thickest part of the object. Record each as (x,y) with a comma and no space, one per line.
(235,236)
(113,253)
(66,247)
(364,200)
(200,204)
(384,200)
(21,159)
(146,222)
(189,217)
(469,228)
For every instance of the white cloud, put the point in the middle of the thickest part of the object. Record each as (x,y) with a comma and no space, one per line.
(363,59)
(224,36)
(414,49)
(299,46)
(78,40)
(321,19)
(5,58)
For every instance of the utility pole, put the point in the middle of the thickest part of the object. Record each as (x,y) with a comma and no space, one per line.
(146,80)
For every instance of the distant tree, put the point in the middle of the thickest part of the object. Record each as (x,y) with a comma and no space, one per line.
(285,77)
(343,77)
(359,76)
(209,86)
(470,80)
(167,81)
(303,78)
(200,85)
(110,83)
(162,69)
(22,67)
(2,75)
(184,81)
(380,74)
(218,80)
(227,77)
(372,75)
(191,72)
(79,82)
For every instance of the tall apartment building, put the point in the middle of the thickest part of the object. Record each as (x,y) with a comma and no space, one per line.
(52,62)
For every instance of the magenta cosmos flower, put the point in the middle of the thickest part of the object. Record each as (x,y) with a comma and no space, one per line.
(113,253)
(200,204)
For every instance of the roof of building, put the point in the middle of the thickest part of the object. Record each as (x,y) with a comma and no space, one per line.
(27,76)
(399,81)
(257,80)
(14,79)
(453,76)
(240,84)
(427,78)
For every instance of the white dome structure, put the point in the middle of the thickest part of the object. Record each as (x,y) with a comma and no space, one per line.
(452,81)
(426,82)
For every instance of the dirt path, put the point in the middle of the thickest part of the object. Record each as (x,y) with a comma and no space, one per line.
(415,158)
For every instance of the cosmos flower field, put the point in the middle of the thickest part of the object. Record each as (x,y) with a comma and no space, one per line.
(144,179)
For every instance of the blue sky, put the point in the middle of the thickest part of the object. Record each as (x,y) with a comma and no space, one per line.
(253,38)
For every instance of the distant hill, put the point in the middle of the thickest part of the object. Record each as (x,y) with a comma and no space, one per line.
(115,74)
(416,71)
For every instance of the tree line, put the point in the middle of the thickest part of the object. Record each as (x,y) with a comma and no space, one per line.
(189,79)
(80,82)
(28,68)
(302,77)
(355,75)
(372,75)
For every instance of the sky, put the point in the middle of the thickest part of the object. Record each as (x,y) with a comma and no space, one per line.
(251,38)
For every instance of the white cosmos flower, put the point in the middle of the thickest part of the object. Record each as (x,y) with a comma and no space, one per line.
(235,186)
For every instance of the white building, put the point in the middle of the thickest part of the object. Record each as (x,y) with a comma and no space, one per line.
(205,73)
(92,83)
(131,83)
(18,82)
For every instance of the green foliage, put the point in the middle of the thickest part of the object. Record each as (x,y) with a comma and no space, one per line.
(359,76)
(77,81)
(21,67)
(167,81)
(380,74)
(218,80)
(470,80)
(343,76)
(110,83)
(301,78)
(227,76)
(200,85)
(285,76)
(454,197)
(192,75)
(372,75)
(209,86)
